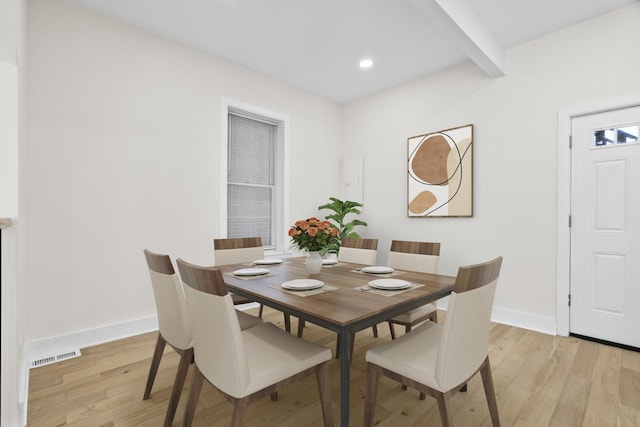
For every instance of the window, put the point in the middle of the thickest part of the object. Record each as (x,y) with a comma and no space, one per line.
(616,136)
(250,178)
(253,184)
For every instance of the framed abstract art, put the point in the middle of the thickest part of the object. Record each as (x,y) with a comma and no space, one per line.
(440,173)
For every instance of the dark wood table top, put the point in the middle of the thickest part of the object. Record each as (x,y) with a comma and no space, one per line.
(343,306)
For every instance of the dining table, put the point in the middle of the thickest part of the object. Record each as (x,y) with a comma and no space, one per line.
(345,301)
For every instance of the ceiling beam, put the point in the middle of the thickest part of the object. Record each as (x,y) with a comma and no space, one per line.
(476,40)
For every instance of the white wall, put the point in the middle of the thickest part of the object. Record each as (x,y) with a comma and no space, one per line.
(8,140)
(11,328)
(123,155)
(515,133)
(11,127)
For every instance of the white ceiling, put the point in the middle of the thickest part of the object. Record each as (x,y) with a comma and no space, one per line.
(317,45)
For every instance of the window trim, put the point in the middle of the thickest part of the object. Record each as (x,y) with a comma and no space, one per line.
(281,209)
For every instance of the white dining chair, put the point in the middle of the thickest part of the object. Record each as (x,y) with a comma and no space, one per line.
(236,251)
(358,250)
(174,326)
(438,359)
(242,250)
(423,257)
(244,365)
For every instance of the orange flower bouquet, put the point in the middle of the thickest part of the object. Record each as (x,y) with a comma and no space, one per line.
(313,235)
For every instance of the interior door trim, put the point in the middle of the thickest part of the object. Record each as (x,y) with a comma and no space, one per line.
(563,235)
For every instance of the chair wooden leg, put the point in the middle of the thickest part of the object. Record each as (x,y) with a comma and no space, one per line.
(375,331)
(301,325)
(194,395)
(287,322)
(239,409)
(371,391)
(490,392)
(324,388)
(185,360)
(443,406)
(155,363)
(392,330)
(407,329)
(260,310)
(274,396)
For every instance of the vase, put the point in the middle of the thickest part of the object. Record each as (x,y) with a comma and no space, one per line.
(332,255)
(314,262)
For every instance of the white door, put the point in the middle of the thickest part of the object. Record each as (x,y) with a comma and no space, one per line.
(605,226)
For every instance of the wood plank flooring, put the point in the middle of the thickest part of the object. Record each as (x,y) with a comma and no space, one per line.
(540,380)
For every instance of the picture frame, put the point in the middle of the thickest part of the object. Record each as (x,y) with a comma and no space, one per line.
(440,173)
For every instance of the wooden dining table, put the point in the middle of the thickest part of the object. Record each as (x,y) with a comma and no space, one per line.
(345,304)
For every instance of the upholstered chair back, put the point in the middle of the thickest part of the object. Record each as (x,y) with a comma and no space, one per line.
(358,251)
(423,257)
(217,341)
(465,337)
(173,319)
(237,250)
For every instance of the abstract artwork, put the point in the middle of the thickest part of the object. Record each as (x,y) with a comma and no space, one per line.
(440,173)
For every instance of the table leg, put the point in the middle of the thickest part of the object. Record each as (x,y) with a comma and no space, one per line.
(345,351)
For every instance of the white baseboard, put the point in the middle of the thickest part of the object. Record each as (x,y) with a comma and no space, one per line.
(76,340)
(533,322)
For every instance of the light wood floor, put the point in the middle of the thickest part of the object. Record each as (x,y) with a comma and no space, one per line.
(540,380)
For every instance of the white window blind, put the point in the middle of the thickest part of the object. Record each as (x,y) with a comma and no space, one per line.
(251,178)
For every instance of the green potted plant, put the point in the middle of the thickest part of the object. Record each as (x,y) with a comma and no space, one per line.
(340,210)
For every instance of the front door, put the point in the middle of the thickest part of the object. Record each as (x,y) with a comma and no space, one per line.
(605,226)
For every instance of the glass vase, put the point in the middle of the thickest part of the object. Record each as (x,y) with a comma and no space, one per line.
(314,262)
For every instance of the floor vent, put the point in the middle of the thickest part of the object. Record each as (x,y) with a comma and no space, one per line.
(53,359)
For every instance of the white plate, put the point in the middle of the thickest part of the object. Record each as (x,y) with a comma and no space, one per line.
(302,284)
(329,261)
(389,284)
(267,261)
(377,269)
(250,271)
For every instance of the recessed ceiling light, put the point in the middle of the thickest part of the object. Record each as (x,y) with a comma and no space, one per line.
(366,63)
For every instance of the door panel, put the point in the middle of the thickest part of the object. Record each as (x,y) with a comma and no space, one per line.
(605,230)
(611,190)
(609,283)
